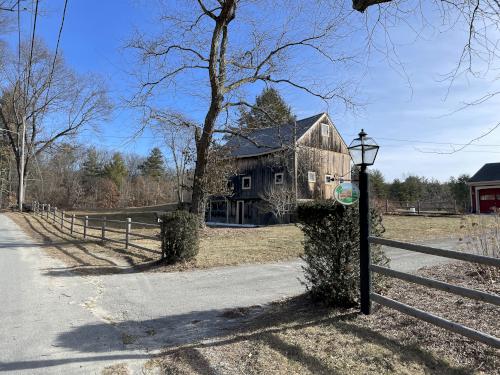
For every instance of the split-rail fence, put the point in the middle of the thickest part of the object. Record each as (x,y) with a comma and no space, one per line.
(82,225)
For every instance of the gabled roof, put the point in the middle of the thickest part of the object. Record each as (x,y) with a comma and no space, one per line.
(265,140)
(488,172)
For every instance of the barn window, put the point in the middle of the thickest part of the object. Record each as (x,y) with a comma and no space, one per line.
(311,176)
(325,130)
(246,182)
(328,179)
(487,197)
(278,178)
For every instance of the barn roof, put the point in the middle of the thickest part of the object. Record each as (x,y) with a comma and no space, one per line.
(488,172)
(265,140)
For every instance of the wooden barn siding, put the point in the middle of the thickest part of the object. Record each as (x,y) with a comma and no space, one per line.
(261,169)
(323,155)
(322,162)
(313,138)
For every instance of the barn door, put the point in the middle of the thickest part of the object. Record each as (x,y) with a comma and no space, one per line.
(239,212)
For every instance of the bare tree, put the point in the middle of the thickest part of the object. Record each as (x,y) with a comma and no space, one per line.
(42,98)
(279,199)
(227,46)
(195,49)
(180,143)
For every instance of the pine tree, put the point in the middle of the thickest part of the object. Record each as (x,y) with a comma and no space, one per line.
(270,110)
(92,166)
(116,170)
(153,166)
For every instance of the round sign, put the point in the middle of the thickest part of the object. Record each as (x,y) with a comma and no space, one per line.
(346,193)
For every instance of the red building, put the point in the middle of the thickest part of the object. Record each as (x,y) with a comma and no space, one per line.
(485,189)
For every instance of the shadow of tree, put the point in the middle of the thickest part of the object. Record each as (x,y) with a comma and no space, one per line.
(137,262)
(186,336)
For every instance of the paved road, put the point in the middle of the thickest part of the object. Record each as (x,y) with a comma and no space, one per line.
(54,321)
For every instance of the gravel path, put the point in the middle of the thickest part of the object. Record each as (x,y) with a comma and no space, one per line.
(55,321)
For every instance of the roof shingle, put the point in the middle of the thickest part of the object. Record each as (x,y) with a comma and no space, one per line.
(488,172)
(259,141)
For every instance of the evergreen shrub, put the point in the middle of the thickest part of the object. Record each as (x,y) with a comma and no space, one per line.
(179,236)
(331,251)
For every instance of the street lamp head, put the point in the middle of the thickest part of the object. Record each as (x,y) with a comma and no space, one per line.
(363,150)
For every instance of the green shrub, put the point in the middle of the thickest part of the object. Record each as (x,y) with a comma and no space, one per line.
(331,251)
(179,236)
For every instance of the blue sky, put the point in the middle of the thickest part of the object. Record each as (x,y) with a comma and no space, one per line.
(408,115)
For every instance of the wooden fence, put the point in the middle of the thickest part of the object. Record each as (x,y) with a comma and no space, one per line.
(458,290)
(418,207)
(72,223)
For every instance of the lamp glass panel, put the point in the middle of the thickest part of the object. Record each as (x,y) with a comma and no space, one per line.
(370,155)
(356,155)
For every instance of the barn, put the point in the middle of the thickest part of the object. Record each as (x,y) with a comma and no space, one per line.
(485,189)
(276,167)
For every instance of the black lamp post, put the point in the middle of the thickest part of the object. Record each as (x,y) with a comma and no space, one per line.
(363,152)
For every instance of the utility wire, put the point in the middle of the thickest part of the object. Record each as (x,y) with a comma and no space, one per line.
(31,50)
(56,51)
(463,146)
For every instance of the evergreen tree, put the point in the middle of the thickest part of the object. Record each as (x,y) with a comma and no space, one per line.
(153,166)
(413,188)
(116,170)
(378,187)
(396,190)
(92,166)
(459,189)
(270,110)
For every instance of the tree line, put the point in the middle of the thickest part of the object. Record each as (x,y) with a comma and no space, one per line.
(414,188)
(73,176)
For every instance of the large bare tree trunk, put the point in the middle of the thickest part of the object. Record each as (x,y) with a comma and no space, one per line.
(202,150)
(217,74)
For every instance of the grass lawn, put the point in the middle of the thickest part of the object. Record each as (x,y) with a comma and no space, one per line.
(297,337)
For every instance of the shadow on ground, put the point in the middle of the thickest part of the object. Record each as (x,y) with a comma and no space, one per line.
(264,326)
(82,255)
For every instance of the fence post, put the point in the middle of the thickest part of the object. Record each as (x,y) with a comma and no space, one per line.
(103,228)
(387,206)
(62,219)
(48,212)
(43,210)
(85,225)
(418,207)
(72,223)
(127,231)
(54,215)
(455,206)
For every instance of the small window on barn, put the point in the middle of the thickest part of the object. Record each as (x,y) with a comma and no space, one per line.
(487,197)
(311,176)
(278,178)
(328,179)
(325,130)
(246,183)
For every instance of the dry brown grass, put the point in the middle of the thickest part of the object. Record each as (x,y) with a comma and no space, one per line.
(295,337)
(230,246)
(420,228)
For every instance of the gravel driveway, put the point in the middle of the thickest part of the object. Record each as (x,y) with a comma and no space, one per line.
(55,321)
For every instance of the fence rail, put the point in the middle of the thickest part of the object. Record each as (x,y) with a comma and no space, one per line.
(52,214)
(421,206)
(450,288)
